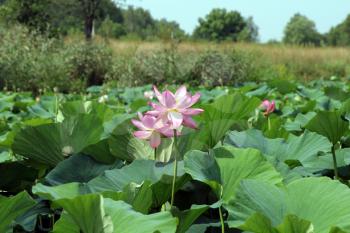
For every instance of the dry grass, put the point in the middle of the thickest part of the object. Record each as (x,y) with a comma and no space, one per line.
(274,52)
(303,63)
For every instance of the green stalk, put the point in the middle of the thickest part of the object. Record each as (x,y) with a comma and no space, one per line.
(155,153)
(335,163)
(221,221)
(175,170)
(56,107)
(268,123)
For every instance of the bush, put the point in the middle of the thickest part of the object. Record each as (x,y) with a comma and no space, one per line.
(158,67)
(215,68)
(31,62)
(89,63)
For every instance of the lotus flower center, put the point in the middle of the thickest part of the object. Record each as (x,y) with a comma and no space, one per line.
(67,150)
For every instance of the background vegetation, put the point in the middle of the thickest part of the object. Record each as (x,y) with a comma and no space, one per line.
(42,46)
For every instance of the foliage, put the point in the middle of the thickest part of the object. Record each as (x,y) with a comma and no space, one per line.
(138,21)
(301,31)
(168,30)
(220,24)
(74,177)
(32,62)
(340,34)
(110,29)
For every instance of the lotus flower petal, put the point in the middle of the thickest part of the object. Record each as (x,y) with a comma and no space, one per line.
(138,124)
(192,111)
(189,122)
(175,119)
(143,134)
(155,140)
(181,94)
(169,99)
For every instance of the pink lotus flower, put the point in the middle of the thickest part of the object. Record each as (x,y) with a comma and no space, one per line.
(268,107)
(176,108)
(151,128)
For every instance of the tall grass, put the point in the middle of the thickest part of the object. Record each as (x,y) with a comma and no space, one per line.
(32,62)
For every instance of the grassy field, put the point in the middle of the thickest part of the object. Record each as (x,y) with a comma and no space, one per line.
(302,63)
(31,62)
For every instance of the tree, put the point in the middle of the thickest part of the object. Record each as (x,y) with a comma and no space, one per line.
(110,29)
(220,24)
(57,17)
(167,30)
(301,31)
(340,34)
(28,12)
(139,22)
(250,32)
(89,8)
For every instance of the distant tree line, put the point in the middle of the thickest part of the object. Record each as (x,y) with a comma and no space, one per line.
(105,17)
(302,31)
(113,19)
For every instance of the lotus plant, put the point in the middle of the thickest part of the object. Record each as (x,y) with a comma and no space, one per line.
(151,128)
(268,107)
(176,108)
(167,117)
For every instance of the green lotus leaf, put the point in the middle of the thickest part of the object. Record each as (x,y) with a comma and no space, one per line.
(126,220)
(323,202)
(77,168)
(330,125)
(301,148)
(88,213)
(13,207)
(223,175)
(53,142)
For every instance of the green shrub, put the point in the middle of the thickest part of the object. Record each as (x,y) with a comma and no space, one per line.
(89,63)
(159,67)
(215,68)
(31,62)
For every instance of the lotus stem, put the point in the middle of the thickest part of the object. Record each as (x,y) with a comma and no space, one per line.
(56,107)
(335,164)
(221,221)
(175,170)
(268,123)
(155,154)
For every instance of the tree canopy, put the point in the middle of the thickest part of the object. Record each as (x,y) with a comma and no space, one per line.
(221,24)
(340,34)
(301,31)
(111,18)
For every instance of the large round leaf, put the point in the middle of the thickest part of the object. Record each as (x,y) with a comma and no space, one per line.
(301,148)
(139,196)
(106,215)
(322,201)
(13,207)
(159,175)
(258,223)
(50,143)
(87,211)
(224,112)
(77,168)
(225,174)
(126,220)
(330,125)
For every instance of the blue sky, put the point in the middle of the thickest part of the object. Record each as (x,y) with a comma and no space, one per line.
(270,15)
